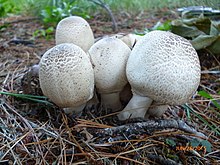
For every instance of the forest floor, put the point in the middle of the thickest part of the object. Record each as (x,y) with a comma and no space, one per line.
(34,133)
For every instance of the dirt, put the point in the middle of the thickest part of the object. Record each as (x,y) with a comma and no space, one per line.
(19,50)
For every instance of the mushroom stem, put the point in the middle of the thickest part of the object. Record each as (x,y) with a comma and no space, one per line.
(156,110)
(75,110)
(137,107)
(111,100)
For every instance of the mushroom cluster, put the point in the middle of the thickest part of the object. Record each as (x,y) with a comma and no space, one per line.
(162,68)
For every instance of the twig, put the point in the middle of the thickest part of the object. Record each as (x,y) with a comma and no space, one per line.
(20,41)
(19,20)
(149,126)
(210,72)
(106,7)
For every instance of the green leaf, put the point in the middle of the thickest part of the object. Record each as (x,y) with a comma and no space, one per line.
(195,142)
(207,145)
(214,47)
(204,144)
(205,94)
(208,96)
(189,21)
(215,28)
(184,30)
(212,126)
(203,41)
(166,26)
(203,30)
(170,142)
(203,24)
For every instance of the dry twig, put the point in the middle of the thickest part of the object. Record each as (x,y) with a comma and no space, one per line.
(147,127)
(105,6)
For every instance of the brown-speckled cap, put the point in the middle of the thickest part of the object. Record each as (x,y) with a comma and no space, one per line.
(164,67)
(66,75)
(74,29)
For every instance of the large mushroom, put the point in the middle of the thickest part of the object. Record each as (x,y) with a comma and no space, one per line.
(66,77)
(109,57)
(74,29)
(163,67)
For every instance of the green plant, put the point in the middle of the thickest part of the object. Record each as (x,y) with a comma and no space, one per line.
(53,13)
(204,144)
(47,33)
(166,26)
(203,30)
(38,99)
(208,96)
(210,124)
(6,7)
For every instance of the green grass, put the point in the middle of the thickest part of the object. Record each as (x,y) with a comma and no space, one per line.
(35,6)
(37,99)
(140,5)
(215,128)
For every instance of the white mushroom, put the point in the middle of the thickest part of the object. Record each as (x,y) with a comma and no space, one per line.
(74,29)
(129,39)
(109,57)
(163,67)
(66,77)
(156,109)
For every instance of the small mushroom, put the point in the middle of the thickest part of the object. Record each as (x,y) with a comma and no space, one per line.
(163,67)
(66,77)
(74,29)
(129,39)
(109,57)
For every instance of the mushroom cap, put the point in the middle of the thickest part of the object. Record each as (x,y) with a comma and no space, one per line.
(129,39)
(164,67)
(109,57)
(66,75)
(74,29)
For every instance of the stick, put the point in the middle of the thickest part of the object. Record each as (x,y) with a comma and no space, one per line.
(103,5)
(149,126)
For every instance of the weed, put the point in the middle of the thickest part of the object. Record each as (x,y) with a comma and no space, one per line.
(210,124)
(47,33)
(54,13)
(208,96)
(6,7)
(53,10)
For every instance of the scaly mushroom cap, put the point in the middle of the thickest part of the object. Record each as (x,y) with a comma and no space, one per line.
(75,30)
(164,67)
(66,75)
(109,57)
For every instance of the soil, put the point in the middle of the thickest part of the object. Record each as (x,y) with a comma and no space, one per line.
(20,50)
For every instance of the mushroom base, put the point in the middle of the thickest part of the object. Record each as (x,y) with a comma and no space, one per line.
(74,110)
(111,100)
(137,107)
(156,110)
